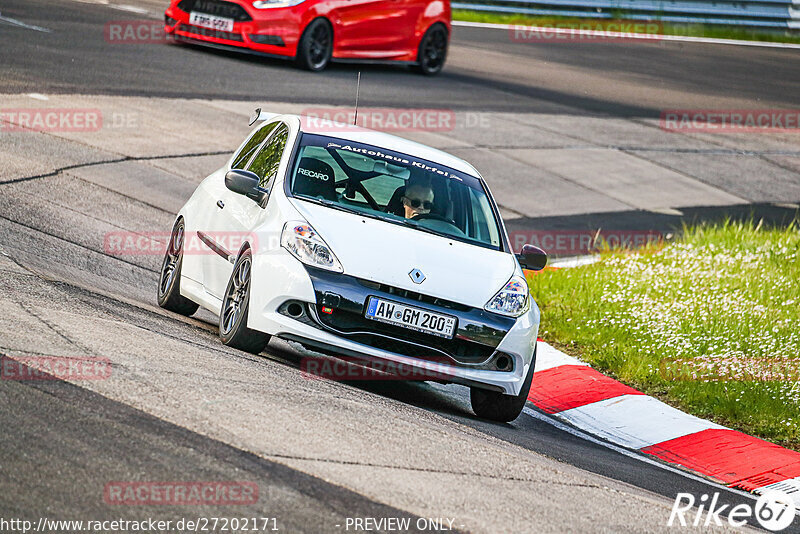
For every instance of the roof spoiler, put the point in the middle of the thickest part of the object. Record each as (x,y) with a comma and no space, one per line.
(259,115)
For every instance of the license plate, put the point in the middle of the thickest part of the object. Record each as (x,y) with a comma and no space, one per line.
(387,311)
(210,21)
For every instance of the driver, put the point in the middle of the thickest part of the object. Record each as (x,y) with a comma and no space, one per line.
(417,200)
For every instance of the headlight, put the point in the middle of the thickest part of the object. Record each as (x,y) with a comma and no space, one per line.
(512,300)
(268,4)
(303,242)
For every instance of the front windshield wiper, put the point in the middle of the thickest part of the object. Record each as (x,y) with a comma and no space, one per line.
(414,224)
(336,205)
(329,203)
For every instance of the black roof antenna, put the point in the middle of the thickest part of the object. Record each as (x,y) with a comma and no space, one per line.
(358,86)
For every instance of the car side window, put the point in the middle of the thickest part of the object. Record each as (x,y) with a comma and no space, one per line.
(481,212)
(268,159)
(250,147)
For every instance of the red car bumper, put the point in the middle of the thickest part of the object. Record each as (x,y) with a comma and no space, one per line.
(269,31)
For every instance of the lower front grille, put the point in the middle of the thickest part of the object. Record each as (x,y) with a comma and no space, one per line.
(478,333)
(205,32)
(312,315)
(402,340)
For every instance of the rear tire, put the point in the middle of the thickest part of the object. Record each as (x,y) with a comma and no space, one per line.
(233,329)
(499,407)
(316,46)
(432,51)
(169,281)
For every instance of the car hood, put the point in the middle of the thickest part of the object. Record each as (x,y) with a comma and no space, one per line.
(386,253)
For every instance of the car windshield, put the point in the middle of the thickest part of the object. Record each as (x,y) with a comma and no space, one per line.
(394,187)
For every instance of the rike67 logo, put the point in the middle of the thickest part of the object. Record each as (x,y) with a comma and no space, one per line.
(774,511)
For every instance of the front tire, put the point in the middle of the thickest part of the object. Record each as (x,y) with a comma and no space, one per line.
(233,329)
(499,407)
(315,48)
(432,51)
(169,281)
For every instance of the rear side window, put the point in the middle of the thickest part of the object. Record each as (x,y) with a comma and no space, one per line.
(250,147)
(268,159)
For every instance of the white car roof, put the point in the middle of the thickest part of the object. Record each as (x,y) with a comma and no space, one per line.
(349,132)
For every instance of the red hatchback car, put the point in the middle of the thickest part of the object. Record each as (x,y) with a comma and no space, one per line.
(315,32)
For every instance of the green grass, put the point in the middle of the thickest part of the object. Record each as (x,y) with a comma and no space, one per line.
(709,323)
(692,30)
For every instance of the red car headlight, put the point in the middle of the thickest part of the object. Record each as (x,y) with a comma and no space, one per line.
(270,4)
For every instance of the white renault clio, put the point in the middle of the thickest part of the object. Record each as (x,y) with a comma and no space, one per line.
(360,244)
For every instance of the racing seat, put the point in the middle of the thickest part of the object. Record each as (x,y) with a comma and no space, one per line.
(315,178)
(395,205)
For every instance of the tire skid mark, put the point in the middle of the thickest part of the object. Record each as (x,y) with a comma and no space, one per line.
(85,247)
(115,160)
(428,470)
(52,327)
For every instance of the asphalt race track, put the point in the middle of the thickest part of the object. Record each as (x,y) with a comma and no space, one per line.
(486,70)
(180,406)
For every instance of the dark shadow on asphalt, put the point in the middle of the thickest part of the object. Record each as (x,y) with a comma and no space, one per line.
(640,220)
(556,97)
(91,439)
(275,61)
(581,104)
(422,394)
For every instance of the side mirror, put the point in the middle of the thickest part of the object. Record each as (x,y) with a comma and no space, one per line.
(245,183)
(532,258)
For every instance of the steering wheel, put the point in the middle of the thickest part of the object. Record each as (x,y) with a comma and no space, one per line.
(434,216)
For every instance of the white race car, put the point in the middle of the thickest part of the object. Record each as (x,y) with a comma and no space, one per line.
(364,245)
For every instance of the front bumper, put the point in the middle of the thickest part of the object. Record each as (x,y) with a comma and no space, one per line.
(474,344)
(273,32)
(473,357)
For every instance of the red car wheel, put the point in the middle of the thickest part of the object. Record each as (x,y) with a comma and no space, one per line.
(316,46)
(432,50)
